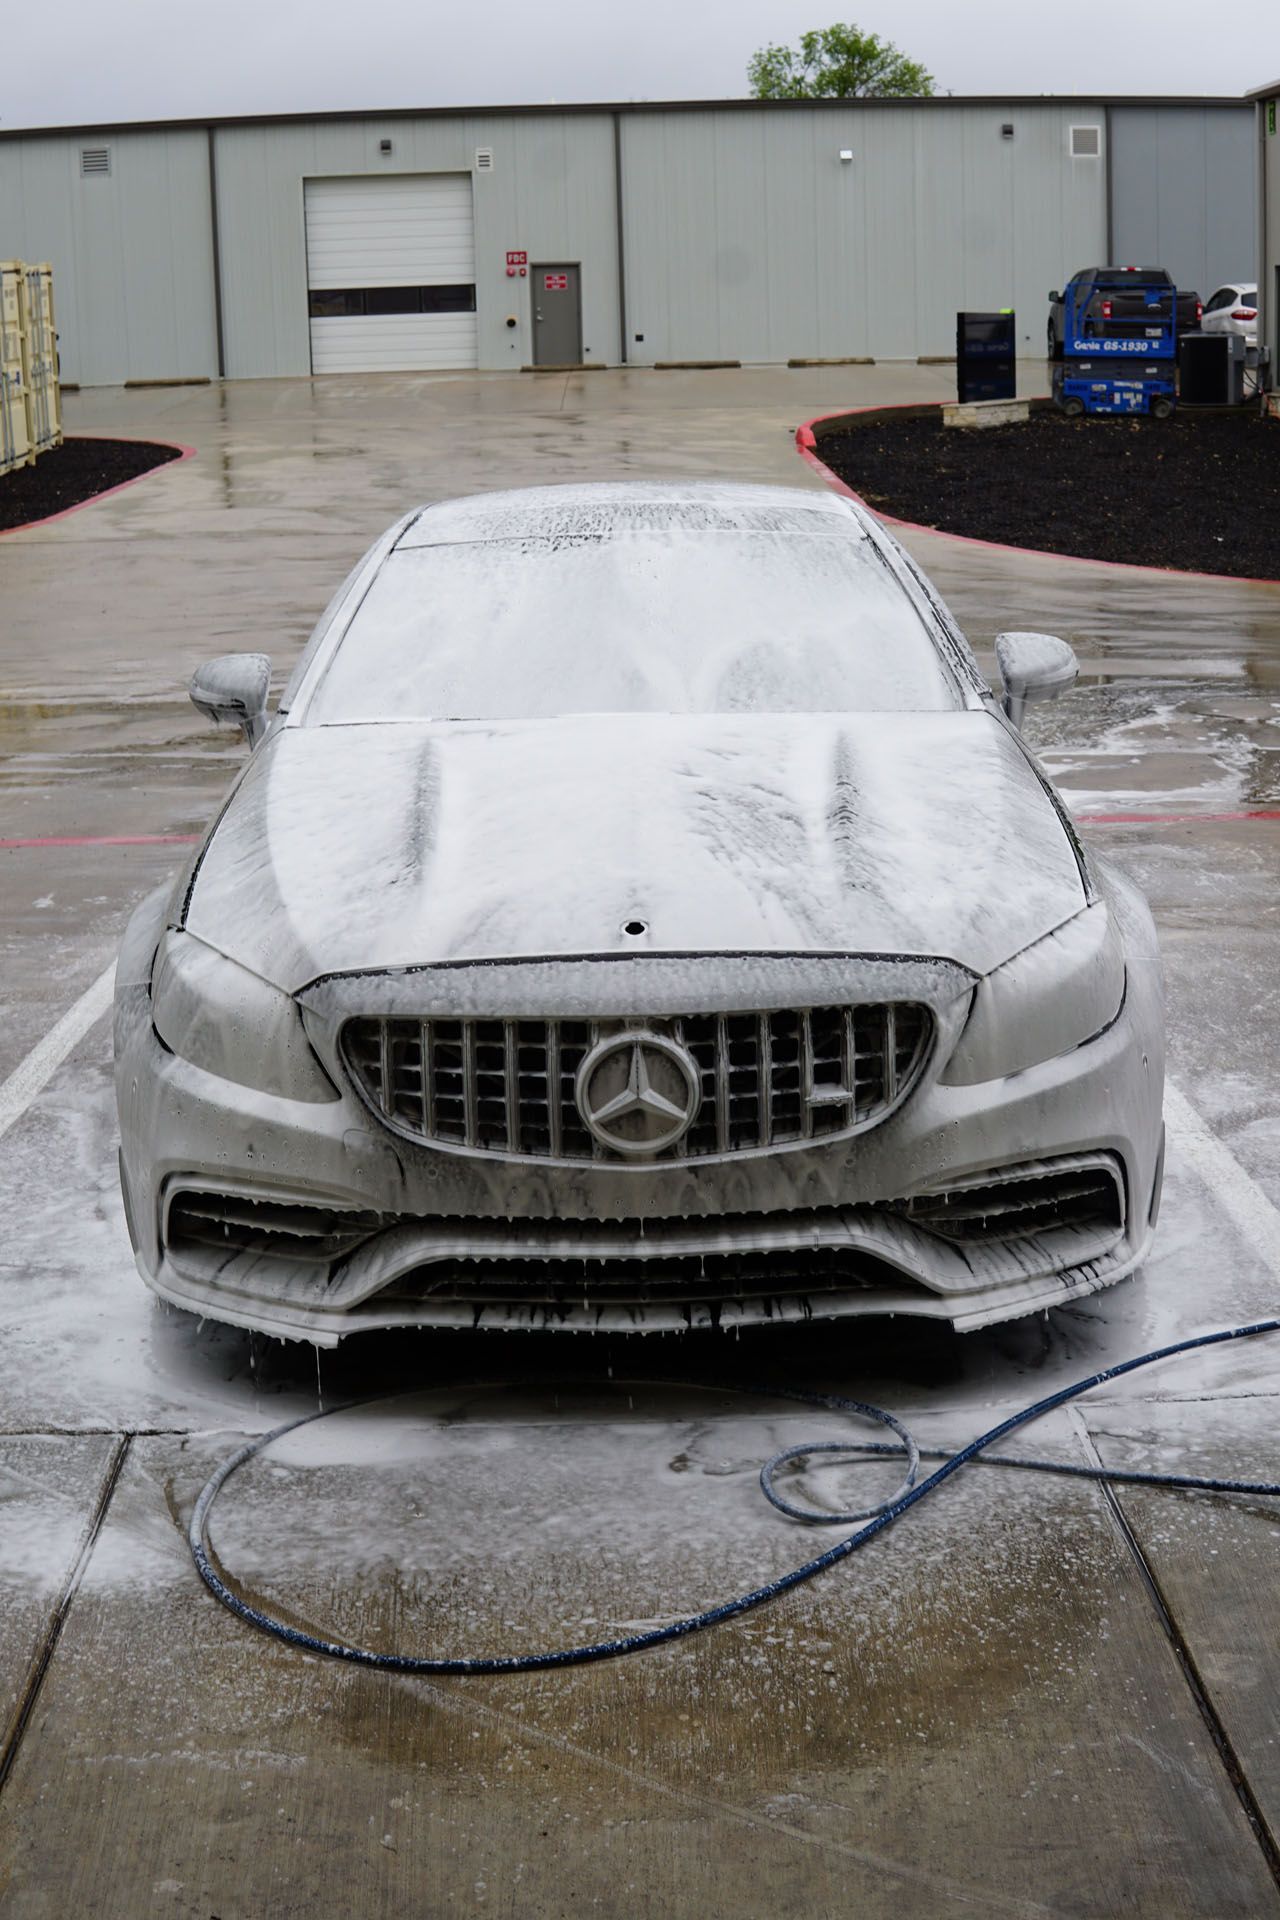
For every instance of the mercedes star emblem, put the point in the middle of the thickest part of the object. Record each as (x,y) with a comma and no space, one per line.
(638,1093)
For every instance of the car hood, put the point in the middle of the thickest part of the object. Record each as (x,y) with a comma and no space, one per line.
(353,848)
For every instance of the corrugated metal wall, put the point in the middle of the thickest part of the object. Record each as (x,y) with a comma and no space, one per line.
(1184,192)
(550,191)
(131,250)
(748,238)
(1269,276)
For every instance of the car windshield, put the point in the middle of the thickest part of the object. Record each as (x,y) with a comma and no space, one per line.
(635,621)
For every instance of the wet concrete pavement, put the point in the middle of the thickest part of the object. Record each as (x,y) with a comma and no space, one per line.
(1032,1697)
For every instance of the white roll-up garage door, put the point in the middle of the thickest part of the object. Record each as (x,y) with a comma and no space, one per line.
(391,272)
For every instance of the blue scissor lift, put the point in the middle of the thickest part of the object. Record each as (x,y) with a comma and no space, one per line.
(1120,348)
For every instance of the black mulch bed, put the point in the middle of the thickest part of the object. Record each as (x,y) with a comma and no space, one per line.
(73,472)
(1200,492)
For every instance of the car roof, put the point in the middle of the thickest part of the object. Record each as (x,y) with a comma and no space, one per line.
(604,509)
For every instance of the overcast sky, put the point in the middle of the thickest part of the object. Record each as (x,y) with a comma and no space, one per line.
(156,59)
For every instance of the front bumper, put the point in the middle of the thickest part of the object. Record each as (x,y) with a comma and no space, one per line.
(827,1229)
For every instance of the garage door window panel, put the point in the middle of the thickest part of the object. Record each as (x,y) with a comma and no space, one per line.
(335,303)
(448,299)
(393,300)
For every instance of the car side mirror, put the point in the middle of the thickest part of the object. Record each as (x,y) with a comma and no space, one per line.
(1054,298)
(232,691)
(1033,667)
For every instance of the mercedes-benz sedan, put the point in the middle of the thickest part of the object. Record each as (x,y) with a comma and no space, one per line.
(638,913)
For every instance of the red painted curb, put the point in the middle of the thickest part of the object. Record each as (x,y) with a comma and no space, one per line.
(806,447)
(1170,819)
(105,840)
(63,513)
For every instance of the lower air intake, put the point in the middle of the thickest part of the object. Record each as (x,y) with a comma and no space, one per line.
(1085,1194)
(238,1223)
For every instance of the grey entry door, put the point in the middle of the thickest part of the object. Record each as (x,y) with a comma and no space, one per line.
(557,317)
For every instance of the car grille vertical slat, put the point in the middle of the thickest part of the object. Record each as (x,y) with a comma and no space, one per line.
(806,1073)
(890,1054)
(469,1082)
(384,1065)
(425,1043)
(722,1083)
(764,1093)
(849,1051)
(508,1086)
(511,1084)
(551,1074)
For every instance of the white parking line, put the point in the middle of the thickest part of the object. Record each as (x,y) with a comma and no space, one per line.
(31,1075)
(1235,1191)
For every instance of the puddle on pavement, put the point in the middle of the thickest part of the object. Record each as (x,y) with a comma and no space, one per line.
(1175,744)
(513,1521)
(61,728)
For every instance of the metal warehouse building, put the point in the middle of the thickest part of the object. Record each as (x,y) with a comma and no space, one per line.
(734,231)
(1268,171)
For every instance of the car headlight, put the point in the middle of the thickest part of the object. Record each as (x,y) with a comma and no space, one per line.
(216,1014)
(1048,1000)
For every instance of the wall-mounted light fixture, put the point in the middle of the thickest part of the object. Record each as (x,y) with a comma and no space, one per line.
(384,146)
(1006,131)
(846,155)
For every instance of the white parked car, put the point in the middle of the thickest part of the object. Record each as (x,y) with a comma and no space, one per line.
(1233,309)
(639,913)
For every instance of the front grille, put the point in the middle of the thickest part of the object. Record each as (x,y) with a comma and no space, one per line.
(1086,1195)
(765,1079)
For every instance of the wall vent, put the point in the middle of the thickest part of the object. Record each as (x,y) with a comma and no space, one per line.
(484,159)
(1086,143)
(94,160)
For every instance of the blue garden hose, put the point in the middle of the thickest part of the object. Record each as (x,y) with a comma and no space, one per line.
(877,1518)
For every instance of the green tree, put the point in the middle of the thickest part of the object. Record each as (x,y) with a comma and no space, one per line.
(839,62)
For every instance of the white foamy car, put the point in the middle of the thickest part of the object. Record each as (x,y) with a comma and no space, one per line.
(638,914)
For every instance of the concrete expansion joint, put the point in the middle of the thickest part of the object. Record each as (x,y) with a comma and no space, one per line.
(30,1692)
(105,1433)
(1191,1674)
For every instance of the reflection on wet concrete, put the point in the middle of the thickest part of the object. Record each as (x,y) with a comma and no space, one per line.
(1168,741)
